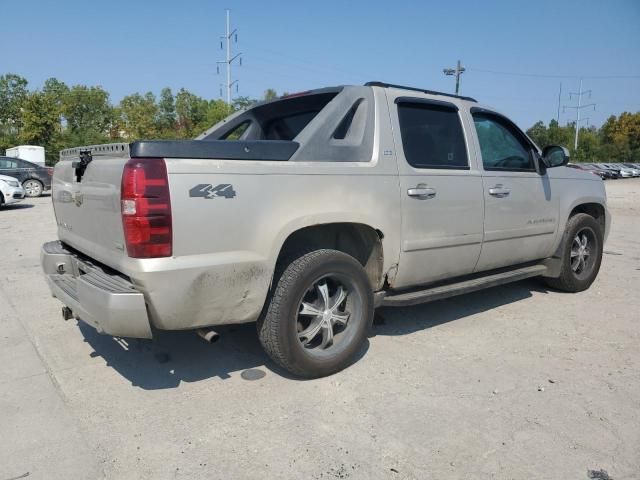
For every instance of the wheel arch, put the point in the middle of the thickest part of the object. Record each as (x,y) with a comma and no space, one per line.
(594,209)
(361,241)
(591,206)
(31,177)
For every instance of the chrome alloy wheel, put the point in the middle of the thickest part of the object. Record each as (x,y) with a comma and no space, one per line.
(581,251)
(323,313)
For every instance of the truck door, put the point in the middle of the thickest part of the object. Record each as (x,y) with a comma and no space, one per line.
(441,191)
(521,208)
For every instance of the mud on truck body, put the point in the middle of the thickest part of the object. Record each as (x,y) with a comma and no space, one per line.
(305,213)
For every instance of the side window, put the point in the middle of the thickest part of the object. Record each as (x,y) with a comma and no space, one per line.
(432,136)
(6,163)
(501,145)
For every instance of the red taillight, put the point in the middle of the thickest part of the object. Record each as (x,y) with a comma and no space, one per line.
(146,208)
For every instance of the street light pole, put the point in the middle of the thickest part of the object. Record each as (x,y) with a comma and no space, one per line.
(459,70)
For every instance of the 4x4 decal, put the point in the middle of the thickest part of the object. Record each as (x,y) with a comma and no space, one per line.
(208,191)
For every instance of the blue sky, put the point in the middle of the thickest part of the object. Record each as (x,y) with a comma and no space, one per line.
(129,46)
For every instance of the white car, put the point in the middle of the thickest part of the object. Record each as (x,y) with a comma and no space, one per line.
(625,172)
(10,190)
(634,170)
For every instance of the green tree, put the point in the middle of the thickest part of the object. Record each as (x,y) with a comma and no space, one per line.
(57,91)
(217,110)
(588,146)
(539,134)
(242,102)
(167,113)
(191,112)
(139,115)
(88,114)
(13,93)
(40,120)
(559,135)
(270,94)
(621,137)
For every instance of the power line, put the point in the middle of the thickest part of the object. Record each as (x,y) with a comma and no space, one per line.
(229,59)
(542,75)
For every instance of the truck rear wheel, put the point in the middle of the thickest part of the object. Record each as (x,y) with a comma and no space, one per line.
(319,313)
(582,254)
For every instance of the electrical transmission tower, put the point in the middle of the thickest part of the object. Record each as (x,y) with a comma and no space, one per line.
(229,59)
(459,70)
(578,108)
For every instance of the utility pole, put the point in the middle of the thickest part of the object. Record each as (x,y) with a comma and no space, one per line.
(578,108)
(559,99)
(229,59)
(459,70)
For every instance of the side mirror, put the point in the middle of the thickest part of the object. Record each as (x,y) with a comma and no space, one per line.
(555,156)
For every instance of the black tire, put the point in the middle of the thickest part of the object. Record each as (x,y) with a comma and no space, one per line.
(32,187)
(300,278)
(572,279)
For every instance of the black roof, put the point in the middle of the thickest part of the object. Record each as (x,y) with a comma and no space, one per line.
(430,92)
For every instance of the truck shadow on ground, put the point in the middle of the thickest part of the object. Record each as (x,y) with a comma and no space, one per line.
(175,357)
(17,206)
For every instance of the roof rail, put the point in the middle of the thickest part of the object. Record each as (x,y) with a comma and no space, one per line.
(430,92)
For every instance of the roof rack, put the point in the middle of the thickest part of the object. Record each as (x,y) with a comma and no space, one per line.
(430,92)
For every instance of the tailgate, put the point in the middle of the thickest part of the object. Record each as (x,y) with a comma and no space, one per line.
(88,212)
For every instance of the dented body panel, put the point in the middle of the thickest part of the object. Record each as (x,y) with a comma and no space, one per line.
(231,216)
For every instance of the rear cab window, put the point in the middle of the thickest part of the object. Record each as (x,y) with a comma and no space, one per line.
(432,135)
(334,124)
(281,119)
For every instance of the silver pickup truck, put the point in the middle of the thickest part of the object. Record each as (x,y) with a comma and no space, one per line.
(305,213)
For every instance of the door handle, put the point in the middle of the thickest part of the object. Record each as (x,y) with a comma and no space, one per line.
(499,191)
(421,191)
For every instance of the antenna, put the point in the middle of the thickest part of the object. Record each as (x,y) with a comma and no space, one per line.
(229,59)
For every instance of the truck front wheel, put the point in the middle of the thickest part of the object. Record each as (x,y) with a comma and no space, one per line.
(582,253)
(319,313)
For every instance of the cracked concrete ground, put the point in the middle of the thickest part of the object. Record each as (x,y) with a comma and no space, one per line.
(514,382)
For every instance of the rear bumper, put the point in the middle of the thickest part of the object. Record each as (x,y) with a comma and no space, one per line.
(105,300)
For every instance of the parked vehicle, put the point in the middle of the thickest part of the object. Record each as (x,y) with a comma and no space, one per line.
(586,168)
(609,173)
(330,203)
(34,178)
(10,190)
(624,171)
(609,168)
(30,153)
(634,170)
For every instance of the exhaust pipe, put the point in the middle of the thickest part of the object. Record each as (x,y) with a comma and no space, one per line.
(208,335)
